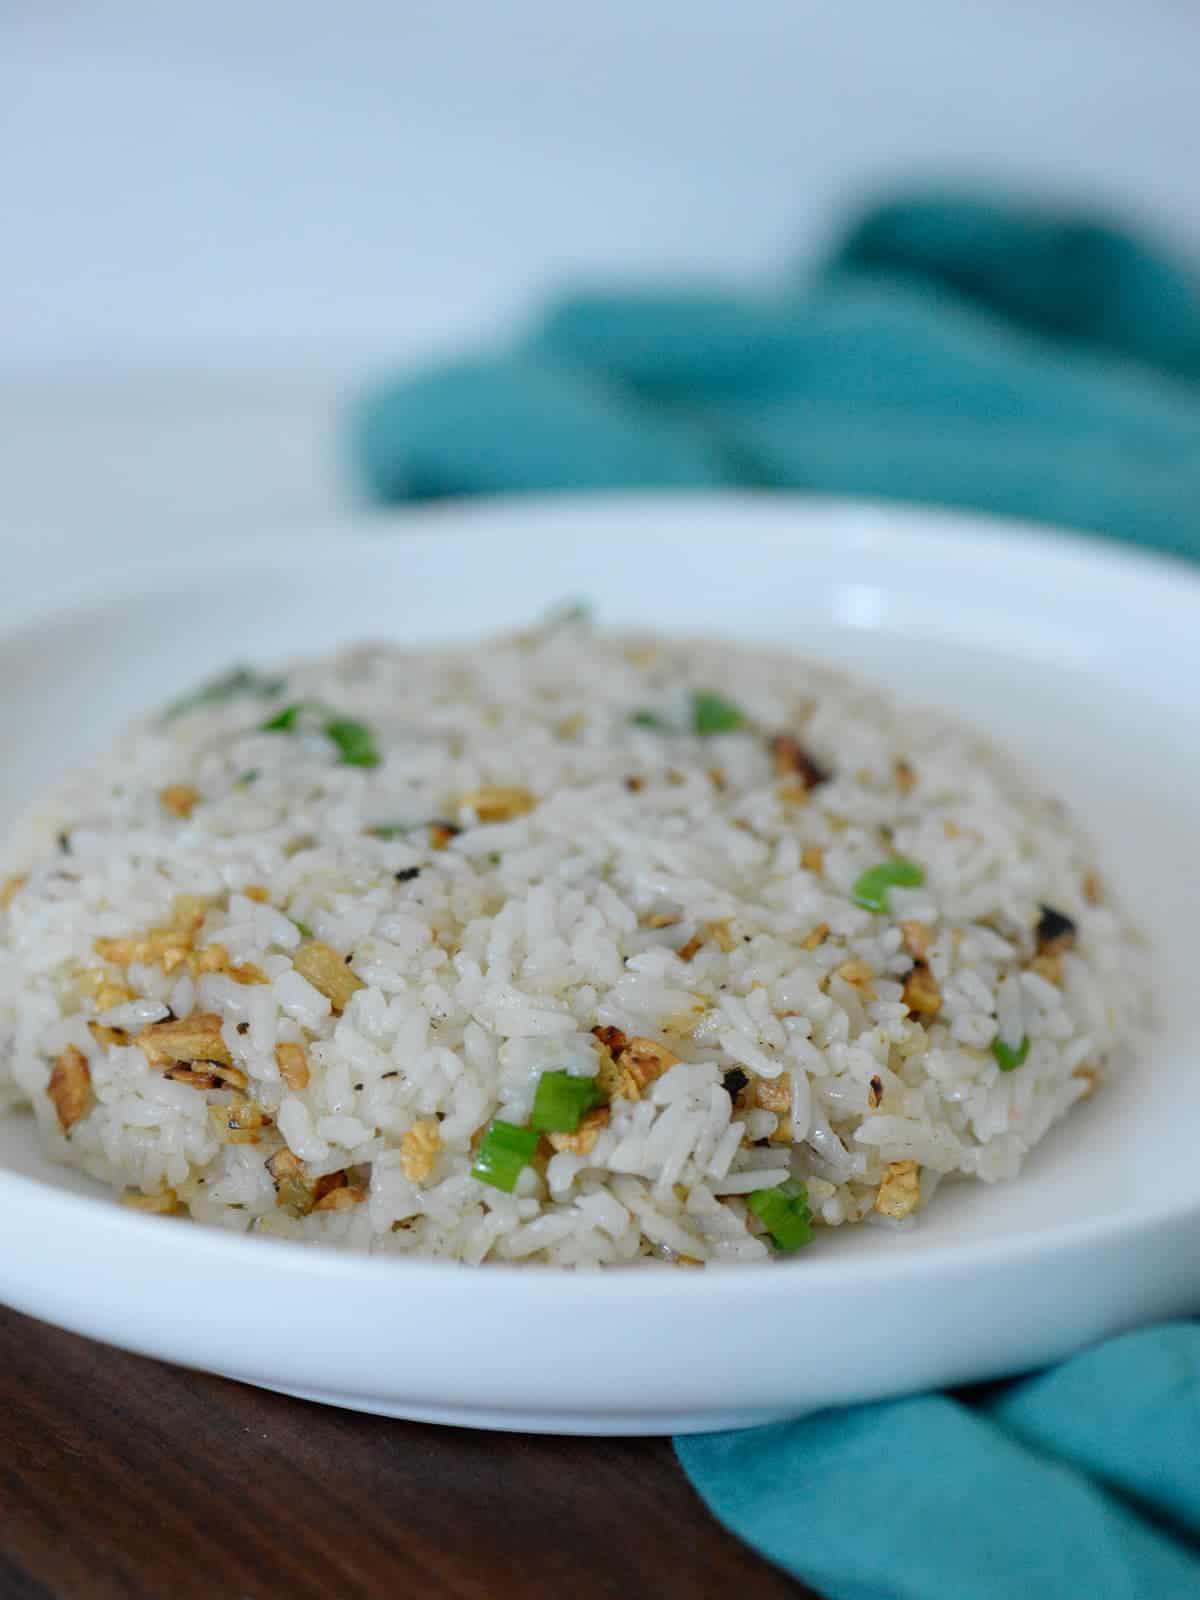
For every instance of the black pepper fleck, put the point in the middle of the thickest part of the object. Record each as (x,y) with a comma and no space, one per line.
(407,874)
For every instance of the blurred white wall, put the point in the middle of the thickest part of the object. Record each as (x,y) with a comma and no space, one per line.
(327,183)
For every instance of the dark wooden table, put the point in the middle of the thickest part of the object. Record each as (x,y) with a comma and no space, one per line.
(122,1479)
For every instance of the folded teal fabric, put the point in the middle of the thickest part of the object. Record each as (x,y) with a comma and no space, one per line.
(958,351)
(965,353)
(1081,1481)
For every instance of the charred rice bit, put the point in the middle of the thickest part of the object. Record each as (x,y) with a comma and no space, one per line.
(292,1061)
(161,1204)
(583,1140)
(900,1192)
(257,893)
(917,937)
(441,833)
(816,938)
(9,888)
(327,972)
(791,760)
(635,784)
(921,993)
(875,1093)
(179,799)
(194,1038)
(499,803)
(687,951)
(812,858)
(418,1148)
(1093,889)
(722,934)
(612,1039)
(71,1087)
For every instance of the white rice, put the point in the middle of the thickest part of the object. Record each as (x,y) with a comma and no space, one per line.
(496,958)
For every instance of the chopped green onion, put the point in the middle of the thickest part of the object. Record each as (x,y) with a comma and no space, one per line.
(712,714)
(561,1100)
(503,1154)
(1007,1059)
(392,830)
(239,681)
(305,930)
(870,891)
(354,740)
(650,719)
(284,721)
(247,778)
(785,1212)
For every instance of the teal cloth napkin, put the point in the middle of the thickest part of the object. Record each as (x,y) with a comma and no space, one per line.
(954,350)
(961,352)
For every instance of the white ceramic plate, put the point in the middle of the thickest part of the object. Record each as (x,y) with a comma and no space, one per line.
(1084,659)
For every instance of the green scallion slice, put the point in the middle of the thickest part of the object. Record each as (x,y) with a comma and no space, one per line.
(870,891)
(354,740)
(784,1211)
(284,721)
(712,714)
(651,720)
(561,1100)
(238,681)
(1007,1059)
(503,1153)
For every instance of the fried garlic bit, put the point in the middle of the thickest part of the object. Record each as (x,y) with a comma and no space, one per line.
(9,888)
(108,1038)
(292,1061)
(583,1140)
(418,1148)
(628,1066)
(858,975)
(70,1087)
(187,1039)
(161,1204)
(900,1192)
(240,1121)
(327,972)
(921,993)
(498,802)
(167,947)
(298,1190)
(179,799)
(917,937)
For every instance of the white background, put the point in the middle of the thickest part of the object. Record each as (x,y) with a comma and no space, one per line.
(215,216)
